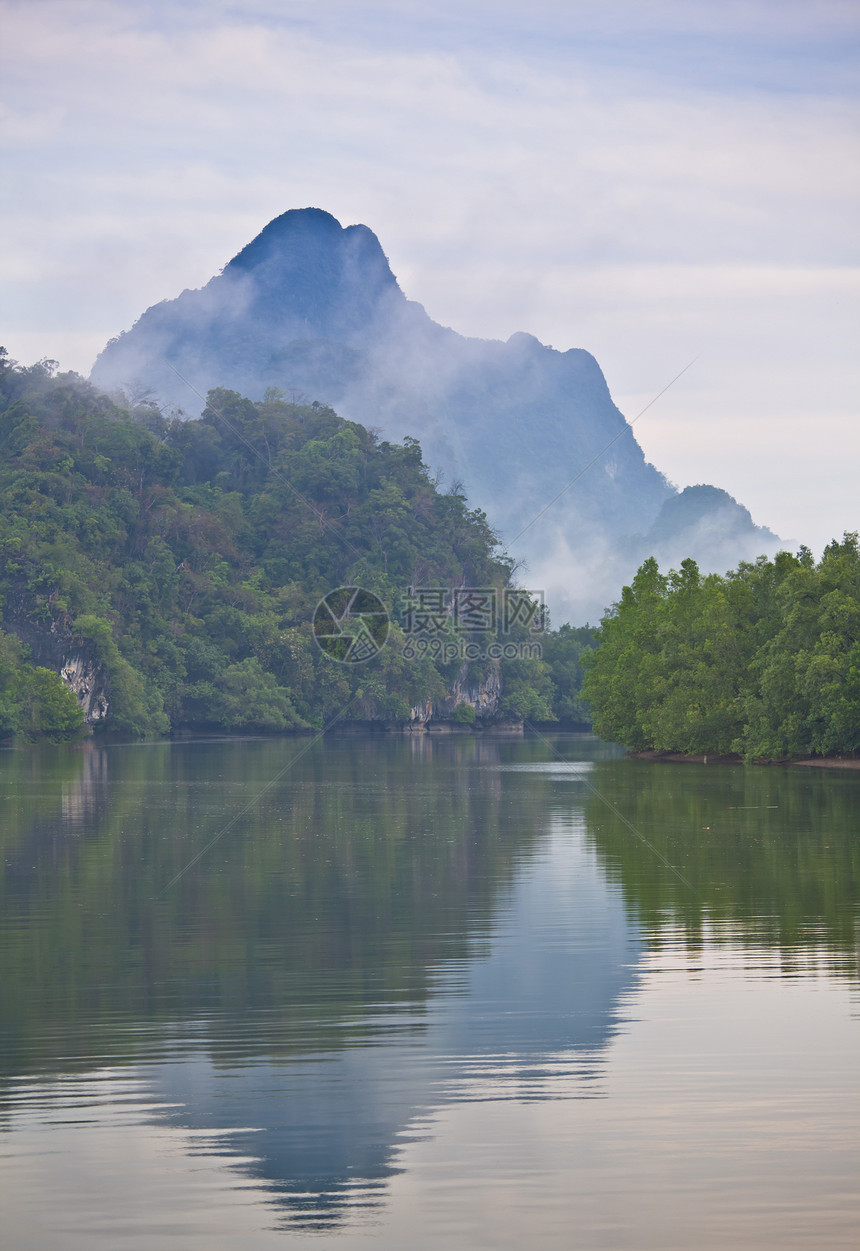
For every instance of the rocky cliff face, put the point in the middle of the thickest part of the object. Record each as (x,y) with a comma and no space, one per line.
(52,645)
(313,308)
(484,696)
(87,679)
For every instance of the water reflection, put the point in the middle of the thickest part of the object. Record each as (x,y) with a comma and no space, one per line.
(770,856)
(527,1018)
(388,931)
(398,927)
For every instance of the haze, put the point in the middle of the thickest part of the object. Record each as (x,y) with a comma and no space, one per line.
(650,183)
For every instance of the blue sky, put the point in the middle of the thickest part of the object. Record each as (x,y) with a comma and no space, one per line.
(651,182)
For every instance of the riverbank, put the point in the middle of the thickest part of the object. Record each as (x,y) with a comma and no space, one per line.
(826,762)
(679,757)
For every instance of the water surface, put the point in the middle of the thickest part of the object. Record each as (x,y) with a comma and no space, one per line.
(471,992)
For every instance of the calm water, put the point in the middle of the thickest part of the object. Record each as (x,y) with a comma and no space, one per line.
(468,992)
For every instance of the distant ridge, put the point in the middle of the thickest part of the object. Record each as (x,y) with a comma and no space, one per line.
(310,306)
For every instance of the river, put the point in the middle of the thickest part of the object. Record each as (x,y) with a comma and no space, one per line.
(428,991)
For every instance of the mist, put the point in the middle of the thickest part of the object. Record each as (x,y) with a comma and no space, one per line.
(531,433)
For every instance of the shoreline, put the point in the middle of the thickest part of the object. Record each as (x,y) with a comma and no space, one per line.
(829,762)
(808,762)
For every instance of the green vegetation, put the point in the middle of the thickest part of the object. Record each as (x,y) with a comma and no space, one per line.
(764,662)
(184,561)
(564,653)
(34,702)
(464,714)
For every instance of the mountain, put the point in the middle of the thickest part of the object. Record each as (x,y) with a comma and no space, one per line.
(176,574)
(313,309)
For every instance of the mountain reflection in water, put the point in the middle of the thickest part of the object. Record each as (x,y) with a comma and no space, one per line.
(397,927)
(526,1019)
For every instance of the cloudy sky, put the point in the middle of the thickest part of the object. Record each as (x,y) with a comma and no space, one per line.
(655,182)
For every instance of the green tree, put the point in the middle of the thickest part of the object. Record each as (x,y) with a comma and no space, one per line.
(764,662)
(50,709)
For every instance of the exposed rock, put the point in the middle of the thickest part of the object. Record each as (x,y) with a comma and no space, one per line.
(87,679)
(53,646)
(483,696)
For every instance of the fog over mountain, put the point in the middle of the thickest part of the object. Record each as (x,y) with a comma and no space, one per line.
(312,307)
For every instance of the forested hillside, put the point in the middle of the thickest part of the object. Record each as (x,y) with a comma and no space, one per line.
(764,662)
(186,558)
(313,305)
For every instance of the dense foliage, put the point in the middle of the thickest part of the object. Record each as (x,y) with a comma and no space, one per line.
(34,702)
(187,557)
(564,653)
(764,662)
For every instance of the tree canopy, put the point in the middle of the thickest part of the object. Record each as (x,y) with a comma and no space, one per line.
(764,662)
(187,556)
